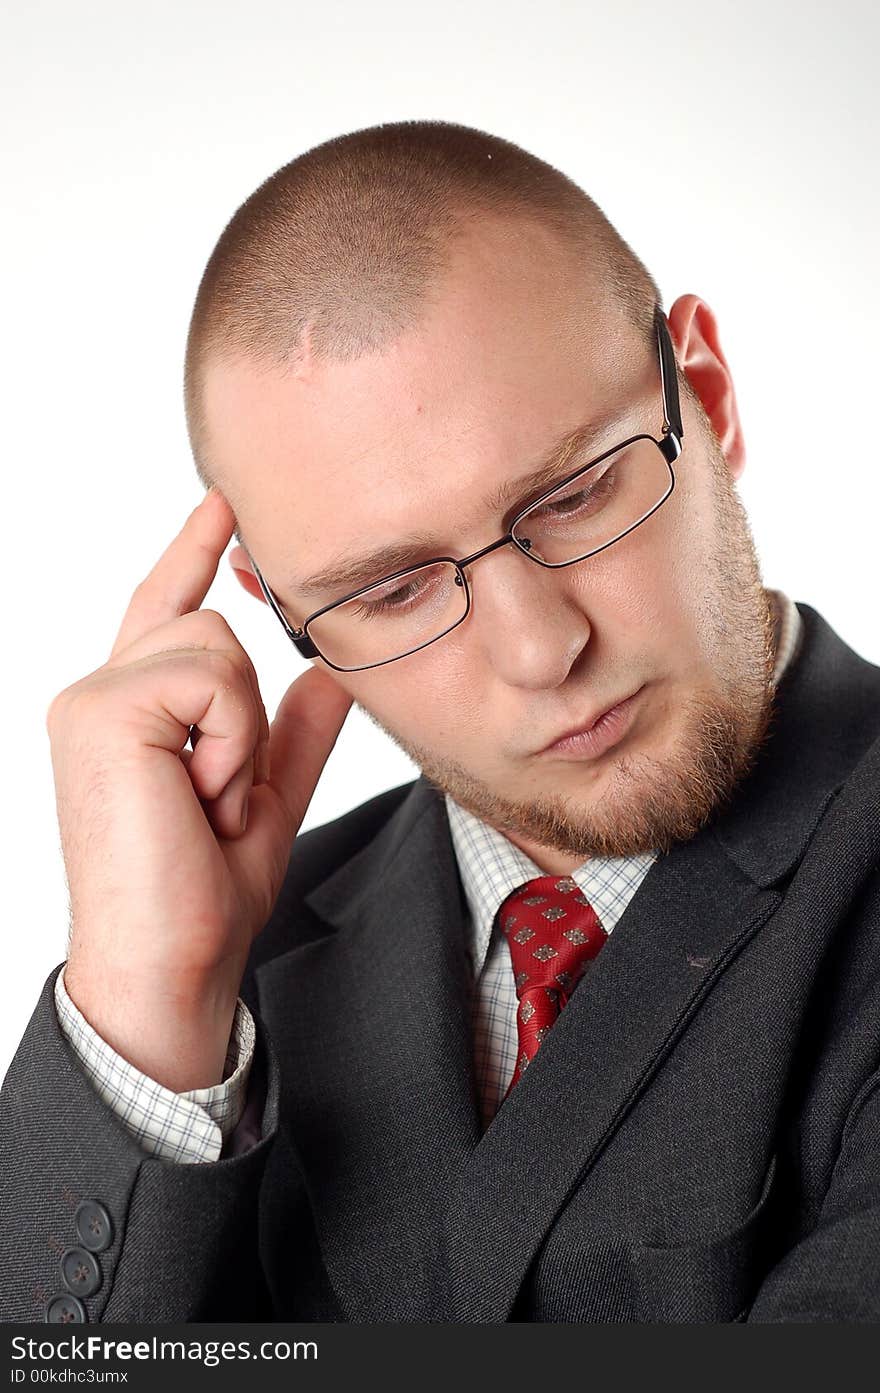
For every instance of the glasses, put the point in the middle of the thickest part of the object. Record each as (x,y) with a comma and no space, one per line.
(585,513)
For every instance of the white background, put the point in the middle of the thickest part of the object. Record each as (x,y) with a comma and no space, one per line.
(734,145)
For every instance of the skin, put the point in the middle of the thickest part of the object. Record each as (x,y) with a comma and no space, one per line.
(519,343)
(175,856)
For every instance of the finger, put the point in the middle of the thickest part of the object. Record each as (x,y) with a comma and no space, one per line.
(310,716)
(166,695)
(182,577)
(228,813)
(261,764)
(227,738)
(203,630)
(262,741)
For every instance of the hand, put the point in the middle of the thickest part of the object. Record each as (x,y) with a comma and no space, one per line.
(168,887)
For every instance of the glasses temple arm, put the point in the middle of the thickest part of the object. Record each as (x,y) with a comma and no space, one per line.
(668,377)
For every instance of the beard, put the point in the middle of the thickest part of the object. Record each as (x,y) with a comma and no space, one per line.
(649,803)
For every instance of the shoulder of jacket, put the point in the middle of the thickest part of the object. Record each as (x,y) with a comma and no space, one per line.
(315,854)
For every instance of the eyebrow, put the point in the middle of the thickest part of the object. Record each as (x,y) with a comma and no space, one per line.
(356,571)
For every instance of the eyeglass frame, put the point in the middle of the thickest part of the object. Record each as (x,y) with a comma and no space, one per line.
(669,444)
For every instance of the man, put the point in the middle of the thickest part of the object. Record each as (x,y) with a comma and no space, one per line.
(581,1025)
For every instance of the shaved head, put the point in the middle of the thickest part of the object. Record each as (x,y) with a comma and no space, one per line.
(339,252)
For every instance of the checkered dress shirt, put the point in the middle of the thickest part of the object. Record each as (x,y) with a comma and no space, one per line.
(197,1125)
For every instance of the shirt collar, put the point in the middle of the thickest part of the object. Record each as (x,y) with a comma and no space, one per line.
(790,629)
(491,867)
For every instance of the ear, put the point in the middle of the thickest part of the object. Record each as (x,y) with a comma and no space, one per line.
(238,560)
(694,331)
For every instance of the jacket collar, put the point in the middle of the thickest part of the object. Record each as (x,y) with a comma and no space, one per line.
(827,714)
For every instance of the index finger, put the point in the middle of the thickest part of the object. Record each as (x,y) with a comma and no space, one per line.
(182,577)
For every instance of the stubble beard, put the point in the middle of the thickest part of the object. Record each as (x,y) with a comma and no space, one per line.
(649,804)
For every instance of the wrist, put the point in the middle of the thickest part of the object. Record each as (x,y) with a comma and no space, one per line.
(177,1035)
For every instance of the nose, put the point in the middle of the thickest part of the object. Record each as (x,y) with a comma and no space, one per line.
(524,617)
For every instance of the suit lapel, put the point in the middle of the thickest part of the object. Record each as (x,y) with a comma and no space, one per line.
(371,1022)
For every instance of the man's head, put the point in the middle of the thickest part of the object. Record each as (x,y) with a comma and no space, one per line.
(392,329)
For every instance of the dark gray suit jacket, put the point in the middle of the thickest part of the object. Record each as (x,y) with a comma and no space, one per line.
(698,1138)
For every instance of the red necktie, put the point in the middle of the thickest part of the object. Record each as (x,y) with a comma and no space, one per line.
(552,932)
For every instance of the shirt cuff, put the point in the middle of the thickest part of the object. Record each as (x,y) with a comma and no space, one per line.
(186,1127)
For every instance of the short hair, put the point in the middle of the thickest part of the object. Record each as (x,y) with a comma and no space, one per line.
(348,239)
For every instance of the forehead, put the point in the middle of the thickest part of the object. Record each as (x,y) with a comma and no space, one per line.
(518,344)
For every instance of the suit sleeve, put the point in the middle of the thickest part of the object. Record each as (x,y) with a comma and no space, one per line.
(93,1228)
(833,1274)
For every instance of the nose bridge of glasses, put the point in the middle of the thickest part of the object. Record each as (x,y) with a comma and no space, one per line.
(508,537)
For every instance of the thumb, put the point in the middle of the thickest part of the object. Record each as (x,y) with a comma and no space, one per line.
(310,716)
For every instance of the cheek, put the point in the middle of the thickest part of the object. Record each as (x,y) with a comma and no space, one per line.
(428,695)
(628,590)
(664,563)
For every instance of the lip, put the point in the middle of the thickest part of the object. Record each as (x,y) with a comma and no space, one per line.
(592,739)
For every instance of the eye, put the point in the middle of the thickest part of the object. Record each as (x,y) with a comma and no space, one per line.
(581,497)
(397,597)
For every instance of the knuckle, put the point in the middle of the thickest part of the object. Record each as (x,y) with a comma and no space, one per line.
(227,667)
(224,640)
(207,629)
(230,675)
(215,621)
(62,702)
(72,705)
(54,710)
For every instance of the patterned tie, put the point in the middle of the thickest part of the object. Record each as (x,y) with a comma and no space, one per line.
(552,932)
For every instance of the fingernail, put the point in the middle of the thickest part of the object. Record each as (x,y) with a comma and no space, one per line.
(244,816)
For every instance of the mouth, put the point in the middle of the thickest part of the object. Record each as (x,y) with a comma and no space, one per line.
(594,736)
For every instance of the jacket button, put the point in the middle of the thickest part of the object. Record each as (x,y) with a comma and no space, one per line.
(94,1227)
(80,1271)
(65,1310)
